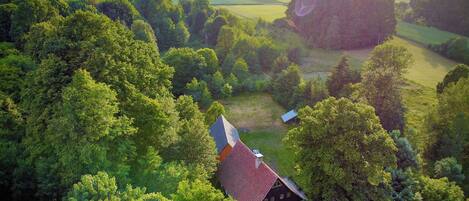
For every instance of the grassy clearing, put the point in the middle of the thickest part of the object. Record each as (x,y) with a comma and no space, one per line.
(429,67)
(261,115)
(423,34)
(266,12)
(418,100)
(271,146)
(255,112)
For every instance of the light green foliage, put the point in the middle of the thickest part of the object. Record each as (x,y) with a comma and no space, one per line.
(188,64)
(212,29)
(425,35)
(342,146)
(199,91)
(211,60)
(196,147)
(268,12)
(439,190)
(213,112)
(382,79)
(103,187)
(86,128)
(216,85)
(240,69)
(198,190)
(143,31)
(449,168)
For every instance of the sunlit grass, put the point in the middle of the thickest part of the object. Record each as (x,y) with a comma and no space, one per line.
(266,12)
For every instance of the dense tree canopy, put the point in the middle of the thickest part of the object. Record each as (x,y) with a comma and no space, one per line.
(450,15)
(382,79)
(342,146)
(338,24)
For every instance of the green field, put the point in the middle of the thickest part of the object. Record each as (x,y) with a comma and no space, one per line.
(259,114)
(422,34)
(266,12)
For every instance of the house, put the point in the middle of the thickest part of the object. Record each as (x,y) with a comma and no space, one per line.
(245,177)
(225,136)
(289,116)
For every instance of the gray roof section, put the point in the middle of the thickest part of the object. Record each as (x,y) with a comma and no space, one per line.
(289,116)
(224,133)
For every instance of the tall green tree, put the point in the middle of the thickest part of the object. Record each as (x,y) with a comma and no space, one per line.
(119,10)
(340,77)
(449,168)
(285,83)
(213,112)
(342,151)
(188,64)
(199,91)
(382,79)
(143,31)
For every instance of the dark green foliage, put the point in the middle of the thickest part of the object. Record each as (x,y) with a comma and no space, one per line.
(13,70)
(29,12)
(199,91)
(11,132)
(450,15)
(212,29)
(188,64)
(280,63)
(309,93)
(449,168)
(456,49)
(382,79)
(119,10)
(340,77)
(458,72)
(338,24)
(6,10)
(284,85)
(342,146)
(406,156)
(166,19)
(217,86)
(143,31)
(403,185)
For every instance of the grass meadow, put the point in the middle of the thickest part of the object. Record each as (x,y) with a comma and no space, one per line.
(422,34)
(266,12)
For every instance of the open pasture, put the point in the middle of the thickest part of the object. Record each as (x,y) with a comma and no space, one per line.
(266,12)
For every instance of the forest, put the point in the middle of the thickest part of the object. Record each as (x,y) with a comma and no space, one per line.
(113,99)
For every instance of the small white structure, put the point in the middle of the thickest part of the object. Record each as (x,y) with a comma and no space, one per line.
(292,114)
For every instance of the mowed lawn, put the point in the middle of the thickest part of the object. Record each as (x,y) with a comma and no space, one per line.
(266,12)
(258,113)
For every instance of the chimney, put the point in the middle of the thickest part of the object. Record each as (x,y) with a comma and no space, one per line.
(259,157)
